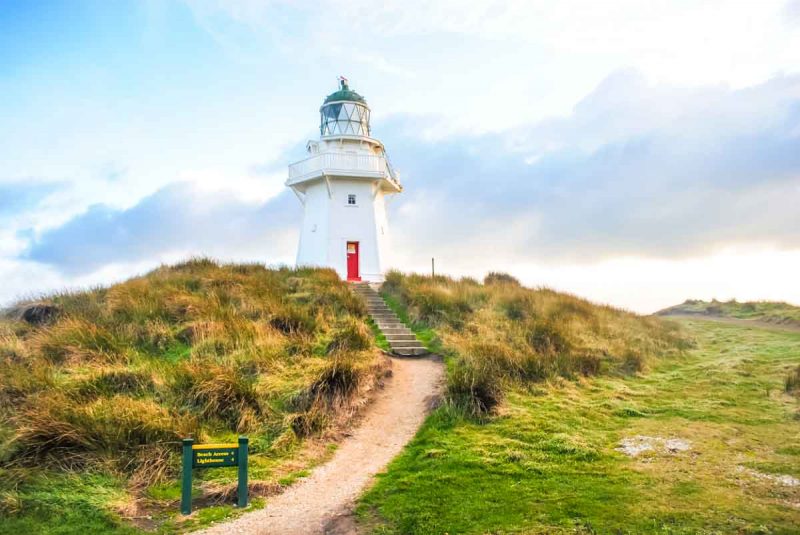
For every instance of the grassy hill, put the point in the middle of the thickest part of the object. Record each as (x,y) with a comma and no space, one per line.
(702,440)
(545,391)
(500,334)
(98,387)
(766,311)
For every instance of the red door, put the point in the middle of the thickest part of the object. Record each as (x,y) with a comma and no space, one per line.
(352,261)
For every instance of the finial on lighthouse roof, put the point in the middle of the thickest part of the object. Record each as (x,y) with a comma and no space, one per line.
(344,93)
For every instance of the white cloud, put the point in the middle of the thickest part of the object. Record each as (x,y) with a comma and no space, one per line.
(685,152)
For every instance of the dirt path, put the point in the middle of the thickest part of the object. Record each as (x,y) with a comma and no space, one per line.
(321,503)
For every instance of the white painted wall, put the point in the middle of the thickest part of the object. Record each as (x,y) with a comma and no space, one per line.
(329,222)
(313,247)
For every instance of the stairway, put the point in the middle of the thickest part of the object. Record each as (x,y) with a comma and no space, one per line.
(402,341)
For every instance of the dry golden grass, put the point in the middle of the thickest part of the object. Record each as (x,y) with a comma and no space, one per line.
(500,332)
(117,376)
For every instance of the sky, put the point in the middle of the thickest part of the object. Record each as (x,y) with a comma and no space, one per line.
(634,153)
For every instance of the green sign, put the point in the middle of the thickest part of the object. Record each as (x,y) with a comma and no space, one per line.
(212,456)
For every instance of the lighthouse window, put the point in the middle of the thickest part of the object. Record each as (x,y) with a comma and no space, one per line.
(351,199)
(344,118)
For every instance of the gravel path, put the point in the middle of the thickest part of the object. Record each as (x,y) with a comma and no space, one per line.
(322,502)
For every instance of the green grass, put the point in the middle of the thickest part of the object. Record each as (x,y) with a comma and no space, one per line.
(546,462)
(63,503)
(378,336)
(767,311)
(96,394)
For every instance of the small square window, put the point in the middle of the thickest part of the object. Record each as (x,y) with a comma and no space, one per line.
(351,199)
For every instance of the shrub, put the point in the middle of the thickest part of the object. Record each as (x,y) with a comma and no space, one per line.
(152,336)
(218,391)
(473,388)
(337,381)
(335,385)
(77,340)
(61,430)
(547,337)
(792,384)
(494,277)
(114,381)
(441,305)
(20,379)
(352,335)
(12,348)
(292,318)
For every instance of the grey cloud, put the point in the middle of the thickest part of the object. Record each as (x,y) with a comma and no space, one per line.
(177,218)
(635,169)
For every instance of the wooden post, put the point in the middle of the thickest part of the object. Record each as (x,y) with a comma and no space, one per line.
(186,479)
(242,491)
(433,269)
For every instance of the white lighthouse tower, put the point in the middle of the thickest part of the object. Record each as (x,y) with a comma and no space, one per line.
(342,184)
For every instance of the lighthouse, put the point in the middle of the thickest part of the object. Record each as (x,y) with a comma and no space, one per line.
(342,184)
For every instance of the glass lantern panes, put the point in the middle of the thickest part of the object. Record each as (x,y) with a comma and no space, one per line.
(344,118)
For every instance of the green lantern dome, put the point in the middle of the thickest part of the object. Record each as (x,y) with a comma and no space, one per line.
(344,93)
(344,113)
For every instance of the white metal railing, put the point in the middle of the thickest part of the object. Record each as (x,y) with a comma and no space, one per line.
(339,161)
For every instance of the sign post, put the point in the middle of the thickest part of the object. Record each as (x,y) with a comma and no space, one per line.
(186,477)
(212,456)
(242,491)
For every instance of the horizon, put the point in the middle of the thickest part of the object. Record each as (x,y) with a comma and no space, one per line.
(593,150)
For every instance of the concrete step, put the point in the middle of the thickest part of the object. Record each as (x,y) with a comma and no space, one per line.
(411,352)
(406,345)
(391,328)
(399,337)
(389,323)
(397,331)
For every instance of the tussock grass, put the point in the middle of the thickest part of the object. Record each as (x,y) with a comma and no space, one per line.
(499,333)
(792,383)
(340,378)
(109,380)
(768,311)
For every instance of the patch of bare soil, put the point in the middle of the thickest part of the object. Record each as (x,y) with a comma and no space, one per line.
(322,503)
(778,479)
(634,446)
